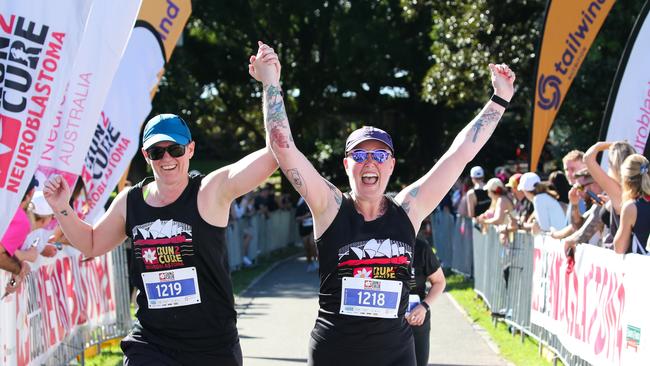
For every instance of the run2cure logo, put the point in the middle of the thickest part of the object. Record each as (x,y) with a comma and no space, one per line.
(29,57)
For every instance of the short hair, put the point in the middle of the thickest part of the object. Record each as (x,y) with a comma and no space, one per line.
(573,155)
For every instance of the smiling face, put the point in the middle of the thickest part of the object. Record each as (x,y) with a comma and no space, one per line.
(571,167)
(369,178)
(169,169)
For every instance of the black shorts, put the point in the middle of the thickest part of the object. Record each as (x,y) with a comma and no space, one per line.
(321,354)
(140,352)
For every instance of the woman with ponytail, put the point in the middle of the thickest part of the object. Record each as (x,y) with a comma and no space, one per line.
(634,229)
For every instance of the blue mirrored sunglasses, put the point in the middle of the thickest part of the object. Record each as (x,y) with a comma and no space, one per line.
(360,156)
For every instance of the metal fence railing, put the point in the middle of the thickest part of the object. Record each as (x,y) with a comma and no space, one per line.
(502,271)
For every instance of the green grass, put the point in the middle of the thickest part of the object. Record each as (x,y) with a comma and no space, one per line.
(511,347)
(112,356)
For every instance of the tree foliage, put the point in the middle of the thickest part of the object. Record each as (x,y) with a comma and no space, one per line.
(417,69)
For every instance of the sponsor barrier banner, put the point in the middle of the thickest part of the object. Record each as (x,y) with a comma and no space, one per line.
(569,30)
(116,137)
(107,32)
(38,45)
(59,296)
(597,306)
(627,116)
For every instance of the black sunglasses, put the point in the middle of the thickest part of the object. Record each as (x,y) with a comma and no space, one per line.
(157,152)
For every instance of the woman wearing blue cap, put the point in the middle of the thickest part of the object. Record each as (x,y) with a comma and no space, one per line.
(177,222)
(366,239)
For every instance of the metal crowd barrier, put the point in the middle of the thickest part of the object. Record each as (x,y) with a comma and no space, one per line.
(502,273)
(452,237)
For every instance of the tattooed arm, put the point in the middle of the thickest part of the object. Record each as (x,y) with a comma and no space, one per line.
(323,198)
(421,197)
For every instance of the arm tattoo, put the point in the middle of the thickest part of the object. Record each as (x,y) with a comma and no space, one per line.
(276,117)
(487,118)
(338,196)
(64,212)
(297,181)
(414,192)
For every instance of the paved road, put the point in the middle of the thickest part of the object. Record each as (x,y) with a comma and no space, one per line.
(277,313)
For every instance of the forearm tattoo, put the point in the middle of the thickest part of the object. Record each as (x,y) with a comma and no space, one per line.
(488,118)
(276,118)
(338,196)
(64,212)
(297,181)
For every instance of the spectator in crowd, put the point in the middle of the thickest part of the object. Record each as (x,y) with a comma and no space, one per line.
(596,217)
(265,202)
(560,184)
(610,181)
(37,240)
(477,198)
(501,206)
(306,229)
(523,207)
(13,239)
(548,213)
(632,235)
(464,187)
(572,163)
(427,269)
(502,173)
(285,202)
(242,210)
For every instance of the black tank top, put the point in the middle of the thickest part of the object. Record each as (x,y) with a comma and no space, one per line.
(351,247)
(171,240)
(641,227)
(482,201)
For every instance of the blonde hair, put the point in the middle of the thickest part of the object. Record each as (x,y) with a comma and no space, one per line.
(617,153)
(573,155)
(635,177)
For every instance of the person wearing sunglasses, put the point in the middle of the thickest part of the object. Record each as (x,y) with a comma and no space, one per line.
(177,223)
(365,239)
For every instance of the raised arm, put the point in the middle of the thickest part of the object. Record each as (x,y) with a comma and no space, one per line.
(421,197)
(622,240)
(92,241)
(221,187)
(609,185)
(322,197)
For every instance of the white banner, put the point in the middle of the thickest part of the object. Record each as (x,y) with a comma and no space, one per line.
(60,295)
(108,29)
(38,45)
(598,307)
(627,116)
(117,136)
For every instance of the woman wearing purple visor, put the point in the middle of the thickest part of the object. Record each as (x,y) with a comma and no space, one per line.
(366,239)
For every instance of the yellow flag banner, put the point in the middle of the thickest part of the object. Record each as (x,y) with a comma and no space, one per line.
(569,30)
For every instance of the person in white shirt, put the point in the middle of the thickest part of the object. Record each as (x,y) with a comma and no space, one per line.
(549,214)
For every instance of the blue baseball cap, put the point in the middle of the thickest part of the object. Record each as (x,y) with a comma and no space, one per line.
(368,133)
(166,127)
